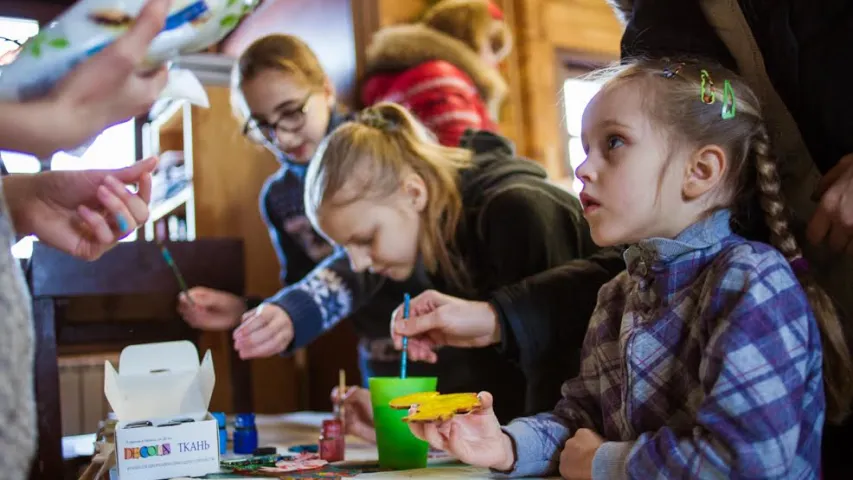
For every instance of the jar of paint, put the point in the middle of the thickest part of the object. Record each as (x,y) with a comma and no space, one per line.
(223,432)
(332,442)
(245,434)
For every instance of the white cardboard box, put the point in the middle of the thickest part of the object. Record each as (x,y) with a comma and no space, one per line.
(159,383)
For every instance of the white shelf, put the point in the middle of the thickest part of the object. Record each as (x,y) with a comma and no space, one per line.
(164,117)
(175,119)
(171,204)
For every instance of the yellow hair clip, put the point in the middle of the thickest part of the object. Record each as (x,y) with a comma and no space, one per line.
(707,93)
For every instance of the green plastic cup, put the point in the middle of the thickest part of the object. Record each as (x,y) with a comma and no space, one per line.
(398,448)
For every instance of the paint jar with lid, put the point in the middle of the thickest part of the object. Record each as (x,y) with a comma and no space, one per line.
(223,432)
(332,442)
(245,434)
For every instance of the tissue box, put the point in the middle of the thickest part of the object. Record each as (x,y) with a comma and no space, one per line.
(161,386)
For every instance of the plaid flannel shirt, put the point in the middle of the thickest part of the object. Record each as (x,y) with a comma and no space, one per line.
(702,360)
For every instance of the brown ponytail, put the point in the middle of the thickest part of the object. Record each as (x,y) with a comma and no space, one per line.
(837,365)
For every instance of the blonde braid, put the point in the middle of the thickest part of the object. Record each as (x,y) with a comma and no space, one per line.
(837,365)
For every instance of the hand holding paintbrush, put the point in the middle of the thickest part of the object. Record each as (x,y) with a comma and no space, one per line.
(358,415)
(167,256)
(437,320)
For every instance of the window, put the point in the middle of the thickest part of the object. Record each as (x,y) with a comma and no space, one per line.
(577,93)
(114,148)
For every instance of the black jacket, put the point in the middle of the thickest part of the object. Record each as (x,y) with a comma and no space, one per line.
(516,224)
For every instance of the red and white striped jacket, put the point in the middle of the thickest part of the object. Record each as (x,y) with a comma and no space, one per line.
(438,78)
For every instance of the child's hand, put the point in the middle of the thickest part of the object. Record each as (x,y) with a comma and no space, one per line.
(209,309)
(475,438)
(263,332)
(358,413)
(576,459)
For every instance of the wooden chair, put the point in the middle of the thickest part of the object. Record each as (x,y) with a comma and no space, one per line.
(128,296)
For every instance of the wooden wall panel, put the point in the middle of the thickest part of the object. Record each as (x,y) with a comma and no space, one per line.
(538,85)
(584,26)
(396,11)
(511,120)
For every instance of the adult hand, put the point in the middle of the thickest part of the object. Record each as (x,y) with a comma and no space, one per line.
(475,438)
(263,332)
(358,412)
(438,320)
(110,87)
(578,453)
(209,309)
(832,222)
(83,213)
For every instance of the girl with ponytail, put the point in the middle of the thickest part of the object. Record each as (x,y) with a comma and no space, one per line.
(712,356)
(468,220)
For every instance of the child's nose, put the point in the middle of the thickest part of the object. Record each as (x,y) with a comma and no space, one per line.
(285,139)
(584,171)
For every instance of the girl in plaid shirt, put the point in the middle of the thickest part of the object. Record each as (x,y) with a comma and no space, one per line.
(712,356)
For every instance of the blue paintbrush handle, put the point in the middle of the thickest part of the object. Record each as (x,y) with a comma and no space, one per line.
(404,359)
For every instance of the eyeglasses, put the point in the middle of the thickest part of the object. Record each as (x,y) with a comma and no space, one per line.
(291,121)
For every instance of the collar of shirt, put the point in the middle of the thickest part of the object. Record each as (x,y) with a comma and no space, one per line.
(672,263)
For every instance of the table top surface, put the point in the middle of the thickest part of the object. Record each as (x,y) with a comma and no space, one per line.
(302,428)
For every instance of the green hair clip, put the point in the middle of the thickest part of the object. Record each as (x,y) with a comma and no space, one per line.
(729,102)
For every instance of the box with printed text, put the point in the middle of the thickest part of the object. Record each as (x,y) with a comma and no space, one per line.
(160,396)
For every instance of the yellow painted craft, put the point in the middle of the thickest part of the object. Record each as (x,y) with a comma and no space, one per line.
(407,401)
(432,407)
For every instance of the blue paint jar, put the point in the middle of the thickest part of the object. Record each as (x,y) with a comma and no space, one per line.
(223,432)
(245,434)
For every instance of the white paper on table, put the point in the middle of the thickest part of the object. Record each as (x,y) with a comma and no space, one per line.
(302,419)
(458,471)
(455,471)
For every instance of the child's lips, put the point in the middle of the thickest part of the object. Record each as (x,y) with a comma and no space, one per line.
(296,152)
(588,202)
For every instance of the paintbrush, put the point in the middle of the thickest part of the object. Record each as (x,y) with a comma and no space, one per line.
(404,359)
(180,278)
(342,386)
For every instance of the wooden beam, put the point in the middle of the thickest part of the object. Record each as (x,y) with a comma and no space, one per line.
(545,30)
(511,121)
(392,12)
(537,64)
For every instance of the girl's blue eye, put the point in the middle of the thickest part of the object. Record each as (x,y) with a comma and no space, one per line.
(614,141)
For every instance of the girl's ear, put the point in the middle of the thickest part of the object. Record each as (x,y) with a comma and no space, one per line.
(704,170)
(414,192)
(329,91)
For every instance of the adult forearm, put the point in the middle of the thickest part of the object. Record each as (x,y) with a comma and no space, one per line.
(18,192)
(31,127)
